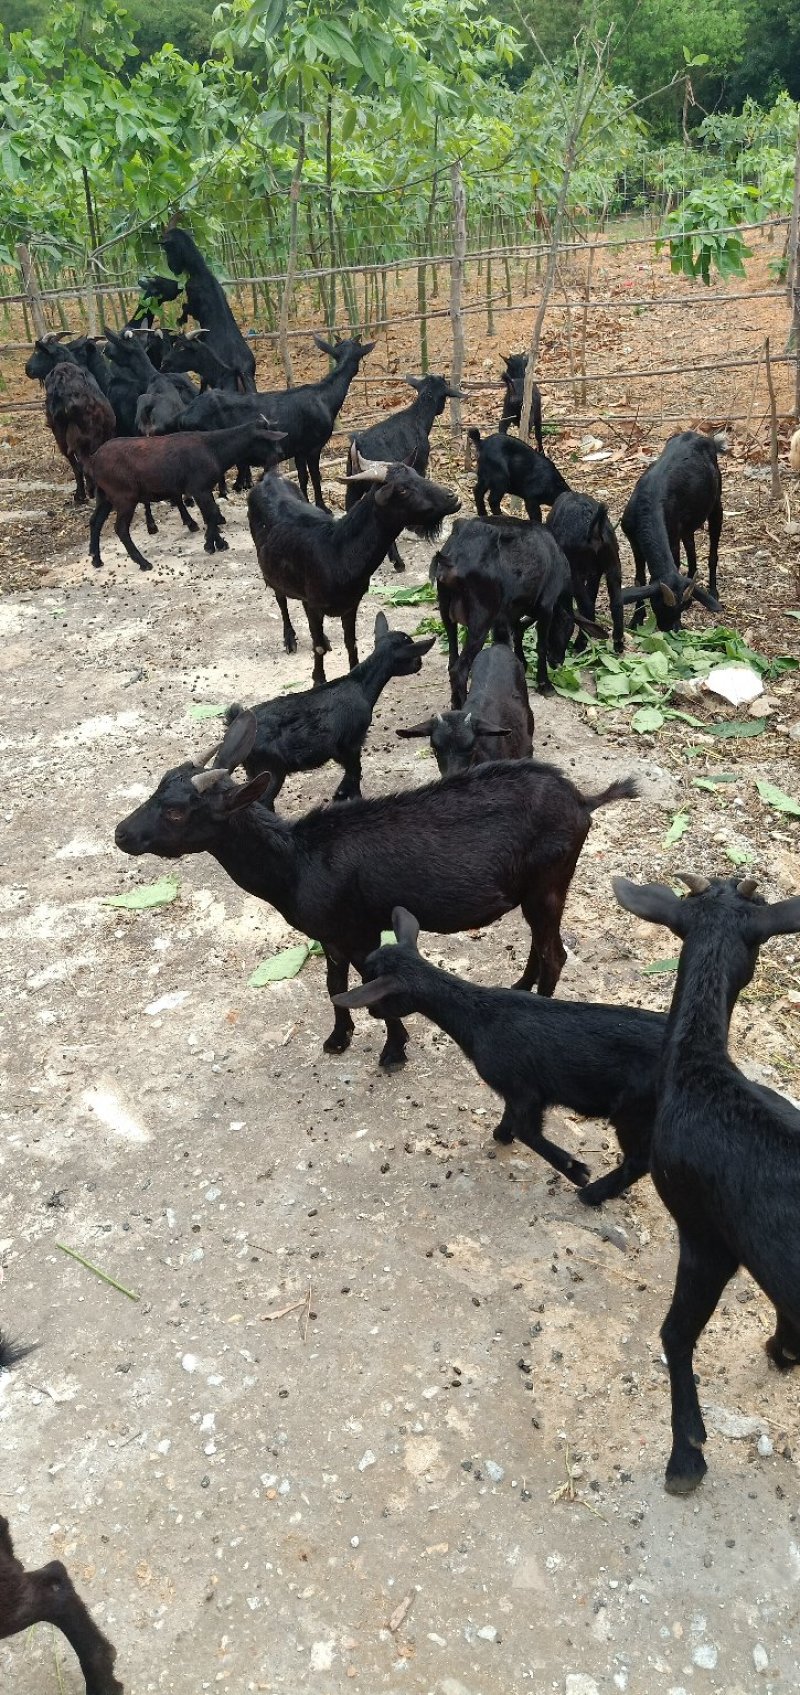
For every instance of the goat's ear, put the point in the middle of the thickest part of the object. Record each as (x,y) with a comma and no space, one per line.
(588,624)
(243,794)
(707,600)
(322,344)
(381,628)
(238,740)
(782,918)
(369,994)
(651,901)
(416,730)
(642,591)
(405,926)
(482,729)
(414,382)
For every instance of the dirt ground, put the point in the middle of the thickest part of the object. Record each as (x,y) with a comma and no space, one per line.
(326,1446)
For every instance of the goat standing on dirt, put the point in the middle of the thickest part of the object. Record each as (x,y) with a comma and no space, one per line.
(674,497)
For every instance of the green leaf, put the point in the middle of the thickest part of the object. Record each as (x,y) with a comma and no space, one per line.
(151,894)
(738,856)
(678,828)
(658,965)
(281,966)
(418,594)
(777,798)
(199,711)
(711,783)
(349,123)
(647,718)
(738,727)
(388,938)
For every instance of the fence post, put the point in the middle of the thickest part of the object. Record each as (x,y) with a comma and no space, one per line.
(31,288)
(773,425)
(456,282)
(793,274)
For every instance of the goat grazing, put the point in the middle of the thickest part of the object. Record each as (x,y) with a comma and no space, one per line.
(403,437)
(495,721)
(305,414)
(586,536)
(48,1596)
(676,495)
(300,732)
(508,466)
(600,1061)
(169,467)
(513,381)
(79,416)
(502,570)
(206,301)
(725,1152)
(463,852)
(327,562)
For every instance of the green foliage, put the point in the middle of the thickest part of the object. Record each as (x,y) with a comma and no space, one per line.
(700,234)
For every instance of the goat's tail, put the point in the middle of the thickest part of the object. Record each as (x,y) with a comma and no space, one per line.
(625,788)
(232,712)
(12,1352)
(474,435)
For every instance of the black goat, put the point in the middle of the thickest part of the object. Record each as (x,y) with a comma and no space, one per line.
(300,732)
(463,852)
(513,380)
(79,416)
(676,495)
(306,414)
(726,1152)
(192,352)
(327,562)
(600,1061)
(495,721)
(206,301)
(402,438)
(586,536)
(48,1596)
(167,468)
(162,404)
(502,570)
(508,466)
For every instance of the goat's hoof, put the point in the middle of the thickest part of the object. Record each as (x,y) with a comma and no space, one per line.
(192,527)
(780,1359)
(593,1194)
(79,499)
(394,1060)
(500,1134)
(337,1041)
(221,545)
(399,564)
(145,565)
(683,1476)
(545,688)
(290,643)
(578,1173)
(97,564)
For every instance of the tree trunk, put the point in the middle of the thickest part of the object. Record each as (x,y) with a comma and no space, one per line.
(331,221)
(291,264)
(31,288)
(456,283)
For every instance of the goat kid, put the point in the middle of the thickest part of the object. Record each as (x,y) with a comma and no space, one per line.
(80,419)
(513,381)
(586,536)
(508,466)
(495,721)
(300,732)
(463,852)
(725,1152)
(600,1061)
(402,438)
(674,497)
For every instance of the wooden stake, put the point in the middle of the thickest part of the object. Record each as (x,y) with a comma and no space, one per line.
(773,428)
(31,289)
(456,283)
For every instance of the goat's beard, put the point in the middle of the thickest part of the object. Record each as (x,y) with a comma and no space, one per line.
(427,532)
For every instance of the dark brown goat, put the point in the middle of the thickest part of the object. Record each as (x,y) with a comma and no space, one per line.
(167,468)
(465,851)
(48,1596)
(79,416)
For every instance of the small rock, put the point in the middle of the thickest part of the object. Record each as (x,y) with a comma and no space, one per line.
(760,1657)
(732,1424)
(494,1471)
(705,1656)
(487,1633)
(764,1446)
(367,1459)
(190,1362)
(578,1683)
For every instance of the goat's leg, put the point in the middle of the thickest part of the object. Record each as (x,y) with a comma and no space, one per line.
(451,632)
(495,502)
(474,638)
(784,1347)
(48,1596)
(479,494)
(350,785)
(337,973)
(614,586)
(640,578)
(79,496)
(185,517)
(99,515)
(302,474)
(543,683)
(349,633)
(704,1267)
(152,527)
(523,1122)
(244,479)
(289,633)
(123,529)
(207,507)
(316,624)
(543,906)
(312,461)
(633,1134)
(533,510)
(690,550)
(395,558)
(714,533)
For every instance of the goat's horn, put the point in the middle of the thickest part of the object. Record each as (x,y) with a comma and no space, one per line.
(747,887)
(203,780)
(203,758)
(695,885)
(374,467)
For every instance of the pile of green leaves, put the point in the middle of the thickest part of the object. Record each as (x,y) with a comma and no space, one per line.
(654,664)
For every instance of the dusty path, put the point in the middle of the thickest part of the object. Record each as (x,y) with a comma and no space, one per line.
(365,1493)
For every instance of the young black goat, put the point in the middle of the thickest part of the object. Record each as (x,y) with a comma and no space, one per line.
(404,438)
(192,352)
(167,468)
(725,1152)
(164,401)
(306,414)
(600,1061)
(508,466)
(48,1596)
(206,301)
(675,496)
(495,721)
(503,570)
(300,732)
(586,536)
(513,380)
(327,562)
(79,416)
(463,852)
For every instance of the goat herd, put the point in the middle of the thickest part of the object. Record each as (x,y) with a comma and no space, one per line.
(493,834)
